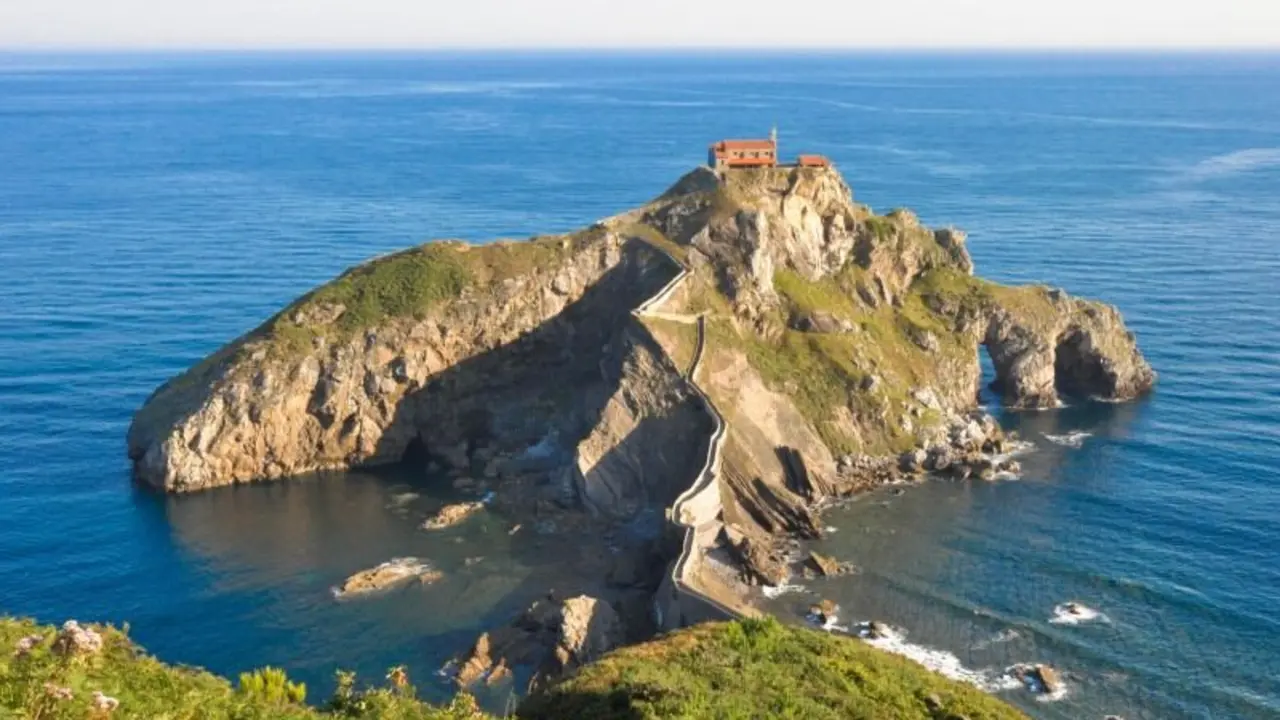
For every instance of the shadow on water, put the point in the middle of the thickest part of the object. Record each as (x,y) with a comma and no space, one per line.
(273,551)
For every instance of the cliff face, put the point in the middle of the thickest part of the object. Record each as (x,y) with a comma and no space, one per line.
(355,373)
(831,331)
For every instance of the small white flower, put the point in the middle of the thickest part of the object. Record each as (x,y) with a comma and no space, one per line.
(104,703)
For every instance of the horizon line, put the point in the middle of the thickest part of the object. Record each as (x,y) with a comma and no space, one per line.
(654,49)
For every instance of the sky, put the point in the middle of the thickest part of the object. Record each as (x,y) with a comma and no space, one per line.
(440,24)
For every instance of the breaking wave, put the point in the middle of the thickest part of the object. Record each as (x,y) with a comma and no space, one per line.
(1072,613)
(944,663)
(777,591)
(1071,439)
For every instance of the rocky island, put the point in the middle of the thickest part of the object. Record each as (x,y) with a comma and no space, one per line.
(734,353)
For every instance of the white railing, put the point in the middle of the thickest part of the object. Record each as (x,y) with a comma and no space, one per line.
(699,505)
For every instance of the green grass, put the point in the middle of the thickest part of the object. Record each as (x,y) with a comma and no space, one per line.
(150,689)
(654,237)
(827,294)
(822,373)
(883,227)
(406,284)
(760,669)
(747,669)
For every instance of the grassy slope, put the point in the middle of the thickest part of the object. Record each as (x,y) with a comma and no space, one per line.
(147,688)
(822,372)
(758,669)
(408,284)
(746,669)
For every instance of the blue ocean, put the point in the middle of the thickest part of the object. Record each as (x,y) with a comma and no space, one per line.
(154,207)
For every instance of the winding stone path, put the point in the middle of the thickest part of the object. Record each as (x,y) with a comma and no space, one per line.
(698,509)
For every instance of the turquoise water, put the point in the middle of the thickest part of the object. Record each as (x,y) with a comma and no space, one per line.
(154,207)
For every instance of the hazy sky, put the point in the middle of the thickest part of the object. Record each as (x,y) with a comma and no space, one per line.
(639,23)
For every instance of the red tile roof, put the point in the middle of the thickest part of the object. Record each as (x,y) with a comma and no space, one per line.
(745,144)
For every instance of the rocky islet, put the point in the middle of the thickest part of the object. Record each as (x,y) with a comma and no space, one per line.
(840,347)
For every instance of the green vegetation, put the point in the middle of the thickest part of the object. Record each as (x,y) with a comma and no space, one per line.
(760,669)
(37,683)
(405,284)
(654,237)
(271,686)
(746,669)
(823,373)
(883,227)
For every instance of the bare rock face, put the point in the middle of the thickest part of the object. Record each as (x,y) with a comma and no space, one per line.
(589,628)
(553,637)
(649,439)
(322,386)
(1080,348)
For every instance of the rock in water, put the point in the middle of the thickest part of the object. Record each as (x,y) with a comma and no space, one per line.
(877,630)
(1040,678)
(392,573)
(451,515)
(826,566)
(1049,679)
(823,611)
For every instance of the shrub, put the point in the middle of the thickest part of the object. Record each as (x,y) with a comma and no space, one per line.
(272,686)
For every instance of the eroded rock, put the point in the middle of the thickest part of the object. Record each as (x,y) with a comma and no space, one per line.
(390,574)
(451,515)
(550,636)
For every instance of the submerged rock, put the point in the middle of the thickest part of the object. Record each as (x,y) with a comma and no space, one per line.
(451,515)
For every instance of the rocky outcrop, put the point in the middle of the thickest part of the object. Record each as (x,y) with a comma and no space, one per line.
(464,362)
(362,372)
(1082,348)
(813,349)
(648,441)
(388,575)
(451,515)
(551,637)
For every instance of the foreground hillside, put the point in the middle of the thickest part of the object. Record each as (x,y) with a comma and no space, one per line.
(51,674)
(760,669)
(748,669)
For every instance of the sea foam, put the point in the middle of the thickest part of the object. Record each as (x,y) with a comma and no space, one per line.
(942,662)
(1071,439)
(777,591)
(1076,614)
